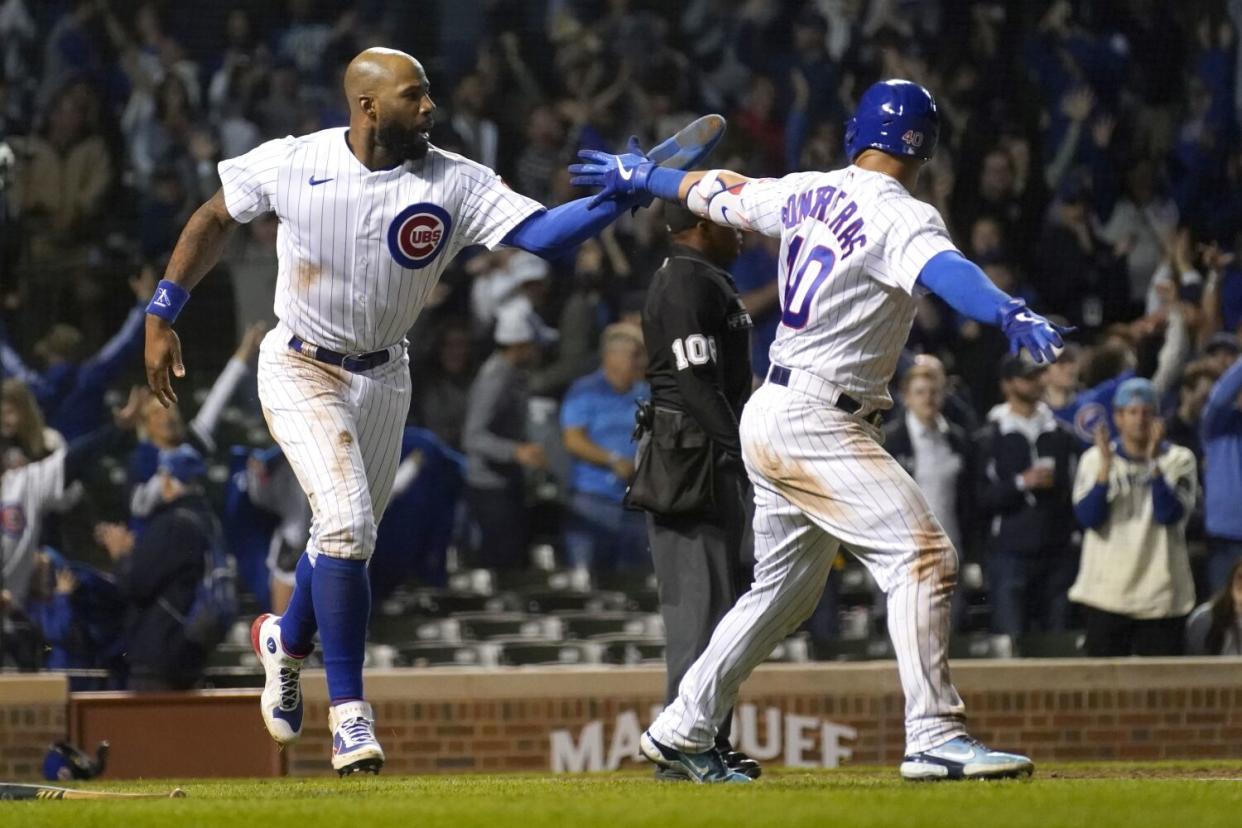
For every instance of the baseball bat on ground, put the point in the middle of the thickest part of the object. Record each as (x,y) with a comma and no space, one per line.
(14,790)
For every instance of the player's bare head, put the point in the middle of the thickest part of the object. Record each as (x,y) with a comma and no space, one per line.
(389,91)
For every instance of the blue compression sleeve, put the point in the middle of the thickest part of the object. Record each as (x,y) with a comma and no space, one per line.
(556,231)
(962,284)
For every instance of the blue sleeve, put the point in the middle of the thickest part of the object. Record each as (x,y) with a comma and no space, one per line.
(1221,411)
(100,370)
(1092,510)
(11,365)
(962,284)
(1166,508)
(550,233)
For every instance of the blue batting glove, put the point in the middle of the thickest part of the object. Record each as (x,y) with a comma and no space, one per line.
(619,177)
(1027,329)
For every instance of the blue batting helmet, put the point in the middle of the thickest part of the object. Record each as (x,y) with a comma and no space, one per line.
(895,116)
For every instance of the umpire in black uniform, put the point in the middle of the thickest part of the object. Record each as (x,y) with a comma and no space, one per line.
(689,477)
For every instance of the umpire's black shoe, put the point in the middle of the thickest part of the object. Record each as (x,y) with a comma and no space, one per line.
(735,760)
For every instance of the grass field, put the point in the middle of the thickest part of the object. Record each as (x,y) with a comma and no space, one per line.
(1099,795)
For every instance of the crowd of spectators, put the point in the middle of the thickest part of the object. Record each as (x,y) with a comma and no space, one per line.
(1090,160)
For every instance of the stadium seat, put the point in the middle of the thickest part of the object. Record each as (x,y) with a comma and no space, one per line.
(400,629)
(446,655)
(530,653)
(478,581)
(795,649)
(855,649)
(483,626)
(627,581)
(560,601)
(1052,645)
(436,603)
(623,649)
(980,645)
(593,624)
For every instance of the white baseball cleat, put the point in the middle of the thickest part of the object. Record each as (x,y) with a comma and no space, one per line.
(354,746)
(281,701)
(964,758)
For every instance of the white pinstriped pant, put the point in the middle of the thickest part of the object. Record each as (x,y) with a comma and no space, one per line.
(822,479)
(341,433)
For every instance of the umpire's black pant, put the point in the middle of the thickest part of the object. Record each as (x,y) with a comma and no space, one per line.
(699,565)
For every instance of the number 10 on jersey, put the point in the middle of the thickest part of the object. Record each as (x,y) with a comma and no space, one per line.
(799,290)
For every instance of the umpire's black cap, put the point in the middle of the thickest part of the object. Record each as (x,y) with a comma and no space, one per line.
(678,219)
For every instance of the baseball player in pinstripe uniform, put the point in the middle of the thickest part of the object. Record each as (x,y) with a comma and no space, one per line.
(856,249)
(370,215)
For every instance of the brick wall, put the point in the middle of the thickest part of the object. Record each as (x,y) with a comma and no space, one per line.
(33,714)
(819,714)
(526,719)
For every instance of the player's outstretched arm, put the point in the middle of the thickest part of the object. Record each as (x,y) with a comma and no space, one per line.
(197,251)
(716,195)
(969,291)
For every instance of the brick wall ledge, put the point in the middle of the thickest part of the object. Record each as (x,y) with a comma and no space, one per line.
(33,689)
(473,683)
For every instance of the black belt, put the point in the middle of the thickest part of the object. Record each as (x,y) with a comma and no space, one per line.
(779,375)
(354,363)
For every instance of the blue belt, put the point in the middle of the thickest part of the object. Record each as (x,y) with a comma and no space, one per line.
(779,375)
(354,363)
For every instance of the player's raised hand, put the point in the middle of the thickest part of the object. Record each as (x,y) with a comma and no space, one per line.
(1027,329)
(618,176)
(163,359)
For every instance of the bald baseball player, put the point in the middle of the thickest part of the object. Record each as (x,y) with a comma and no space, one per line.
(370,215)
(856,249)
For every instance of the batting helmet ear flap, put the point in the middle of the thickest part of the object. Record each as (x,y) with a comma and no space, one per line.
(851,133)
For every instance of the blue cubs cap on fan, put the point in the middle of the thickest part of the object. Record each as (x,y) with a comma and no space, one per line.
(1135,390)
(896,116)
(183,463)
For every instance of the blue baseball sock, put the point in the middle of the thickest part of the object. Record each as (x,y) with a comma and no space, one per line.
(342,607)
(297,625)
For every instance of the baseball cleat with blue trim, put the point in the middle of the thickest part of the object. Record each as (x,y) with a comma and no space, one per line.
(707,766)
(964,758)
(281,700)
(354,746)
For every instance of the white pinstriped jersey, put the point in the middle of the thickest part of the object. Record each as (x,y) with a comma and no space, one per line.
(27,493)
(359,251)
(853,243)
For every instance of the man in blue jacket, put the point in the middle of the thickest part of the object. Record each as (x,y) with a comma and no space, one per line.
(1221,432)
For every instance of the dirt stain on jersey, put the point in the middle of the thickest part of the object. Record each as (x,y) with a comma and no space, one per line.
(305,275)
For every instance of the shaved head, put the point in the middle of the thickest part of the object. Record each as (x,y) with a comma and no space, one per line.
(389,95)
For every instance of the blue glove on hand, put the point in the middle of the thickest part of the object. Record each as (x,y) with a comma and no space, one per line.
(621,177)
(1027,329)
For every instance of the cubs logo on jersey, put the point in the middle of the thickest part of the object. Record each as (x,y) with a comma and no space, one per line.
(418,234)
(12,520)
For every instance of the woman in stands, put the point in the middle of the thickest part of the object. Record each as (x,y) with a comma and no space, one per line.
(1215,628)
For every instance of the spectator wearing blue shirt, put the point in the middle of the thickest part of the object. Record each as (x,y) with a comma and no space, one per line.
(597,421)
(70,390)
(79,611)
(1221,432)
